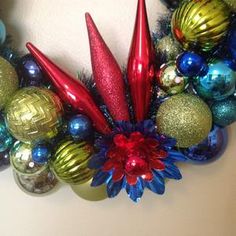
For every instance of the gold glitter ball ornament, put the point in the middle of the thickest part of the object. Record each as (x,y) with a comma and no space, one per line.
(8,82)
(70,162)
(200,24)
(186,118)
(34,114)
(231,4)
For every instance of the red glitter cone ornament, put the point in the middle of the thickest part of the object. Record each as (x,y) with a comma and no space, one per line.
(107,74)
(71,91)
(141,65)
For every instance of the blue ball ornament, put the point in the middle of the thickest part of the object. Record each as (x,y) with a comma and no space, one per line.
(41,153)
(3,33)
(80,127)
(30,72)
(210,149)
(217,84)
(231,43)
(6,140)
(190,64)
(224,112)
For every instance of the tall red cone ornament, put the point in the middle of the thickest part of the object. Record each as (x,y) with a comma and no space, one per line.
(141,64)
(107,74)
(71,90)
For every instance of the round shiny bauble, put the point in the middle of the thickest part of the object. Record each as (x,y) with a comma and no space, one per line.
(231,42)
(80,127)
(70,162)
(89,193)
(41,154)
(4,160)
(30,72)
(200,24)
(3,33)
(8,82)
(210,148)
(219,83)
(171,4)
(38,184)
(231,4)
(186,118)
(21,160)
(224,112)
(190,64)
(6,140)
(167,49)
(34,114)
(170,81)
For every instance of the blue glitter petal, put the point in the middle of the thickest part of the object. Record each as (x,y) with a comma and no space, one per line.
(135,192)
(176,156)
(100,178)
(171,171)
(157,185)
(113,189)
(96,161)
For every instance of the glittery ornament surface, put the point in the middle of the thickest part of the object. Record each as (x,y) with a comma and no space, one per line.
(8,81)
(186,118)
(34,114)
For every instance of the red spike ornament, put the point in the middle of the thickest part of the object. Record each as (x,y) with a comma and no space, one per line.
(141,66)
(71,90)
(107,74)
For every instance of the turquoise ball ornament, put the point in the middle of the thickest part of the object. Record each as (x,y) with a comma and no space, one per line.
(218,84)
(224,112)
(6,140)
(3,33)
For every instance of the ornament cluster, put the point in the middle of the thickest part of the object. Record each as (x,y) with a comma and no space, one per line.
(122,130)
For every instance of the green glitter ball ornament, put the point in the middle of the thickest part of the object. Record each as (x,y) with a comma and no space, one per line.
(186,118)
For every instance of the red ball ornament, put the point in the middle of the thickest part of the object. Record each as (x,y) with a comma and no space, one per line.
(107,74)
(141,64)
(71,91)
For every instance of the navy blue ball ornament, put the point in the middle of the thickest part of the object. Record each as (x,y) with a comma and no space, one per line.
(210,149)
(4,160)
(231,43)
(41,154)
(80,127)
(217,84)
(171,4)
(30,72)
(224,112)
(190,64)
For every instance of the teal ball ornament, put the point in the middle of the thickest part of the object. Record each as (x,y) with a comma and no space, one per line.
(6,140)
(218,84)
(224,112)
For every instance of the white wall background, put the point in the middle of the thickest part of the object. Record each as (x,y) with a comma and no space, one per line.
(202,204)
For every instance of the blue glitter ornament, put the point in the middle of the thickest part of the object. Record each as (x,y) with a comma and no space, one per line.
(190,64)
(6,140)
(41,153)
(224,112)
(80,127)
(210,149)
(4,160)
(3,33)
(218,84)
(30,72)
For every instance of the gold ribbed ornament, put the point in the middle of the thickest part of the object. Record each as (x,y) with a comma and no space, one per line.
(34,114)
(200,24)
(70,162)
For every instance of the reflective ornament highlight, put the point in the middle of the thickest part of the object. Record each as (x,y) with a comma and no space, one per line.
(6,140)
(30,72)
(167,49)
(231,4)
(190,64)
(22,162)
(38,184)
(3,33)
(224,112)
(170,81)
(41,154)
(34,114)
(70,161)
(219,83)
(89,193)
(4,160)
(8,82)
(80,127)
(200,24)
(210,148)
(186,118)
